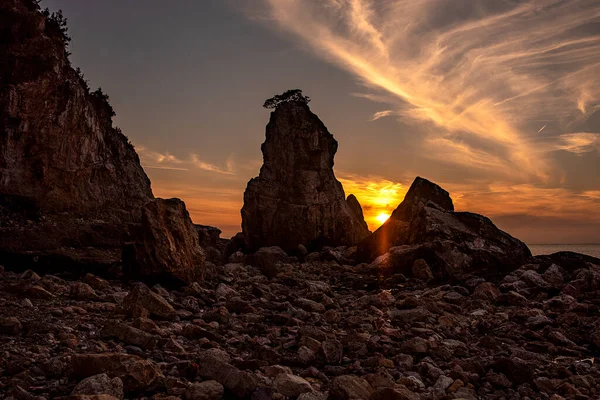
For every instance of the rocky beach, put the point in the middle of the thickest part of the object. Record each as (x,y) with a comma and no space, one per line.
(107,292)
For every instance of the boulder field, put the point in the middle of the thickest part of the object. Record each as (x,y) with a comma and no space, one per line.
(317,329)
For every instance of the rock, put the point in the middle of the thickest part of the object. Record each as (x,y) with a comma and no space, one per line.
(96,282)
(208,235)
(332,350)
(305,355)
(356,209)
(207,390)
(486,291)
(292,385)
(425,226)
(236,258)
(533,279)
(88,397)
(195,332)
(215,365)
(70,181)
(399,393)
(296,200)
(141,297)
(128,334)
(137,374)
(224,291)
(166,249)
(100,384)
(272,371)
(554,276)
(513,298)
(83,291)
(266,259)
(443,383)
(350,387)
(38,292)
(10,326)
(421,270)
(310,305)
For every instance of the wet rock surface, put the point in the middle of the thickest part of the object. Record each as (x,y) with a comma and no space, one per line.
(316,330)
(296,199)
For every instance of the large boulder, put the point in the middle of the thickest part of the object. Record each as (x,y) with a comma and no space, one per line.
(69,179)
(166,248)
(296,199)
(425,227)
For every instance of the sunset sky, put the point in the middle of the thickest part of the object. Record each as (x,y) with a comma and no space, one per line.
(497,101)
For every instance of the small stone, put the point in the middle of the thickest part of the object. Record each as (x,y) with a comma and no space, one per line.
(26,303)
(10,326)
(30,276)
(443,383)
(142,297)
(292,385)
(421,270)
(332,350)
(397,393)
(136,373)
(305,355)
(100,384)
(350,387)
(486,291)
(207,390)
(82,291)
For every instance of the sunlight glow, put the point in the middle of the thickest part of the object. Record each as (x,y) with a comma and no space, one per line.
(382,218)
(377,196)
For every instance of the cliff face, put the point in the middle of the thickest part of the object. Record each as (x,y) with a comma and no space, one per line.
(58,149)
(68,178)
(296,199)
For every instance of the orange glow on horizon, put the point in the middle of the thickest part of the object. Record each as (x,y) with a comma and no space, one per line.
(377,196)
(382,217)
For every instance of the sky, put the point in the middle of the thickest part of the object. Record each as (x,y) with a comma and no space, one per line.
(497,101)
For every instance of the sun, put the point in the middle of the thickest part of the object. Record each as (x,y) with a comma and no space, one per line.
(382,217)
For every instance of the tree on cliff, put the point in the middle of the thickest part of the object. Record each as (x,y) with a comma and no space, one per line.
(56,25)
(286,97)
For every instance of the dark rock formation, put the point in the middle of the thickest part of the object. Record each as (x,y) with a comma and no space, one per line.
(357,211)
(426,227)
(62,163)
(296,199)
(166,248)
(208,235)
(211,242)
(71,185)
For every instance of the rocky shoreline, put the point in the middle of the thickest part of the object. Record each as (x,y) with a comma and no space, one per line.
(109,293)
(313,330)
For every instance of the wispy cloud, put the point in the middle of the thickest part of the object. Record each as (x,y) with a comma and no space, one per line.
(381,114)
(167,161)
(526,199)
(228,170)
(579,143)
(165,167)
(478,74)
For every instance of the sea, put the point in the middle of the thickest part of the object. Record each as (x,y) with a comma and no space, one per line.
(589,249)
